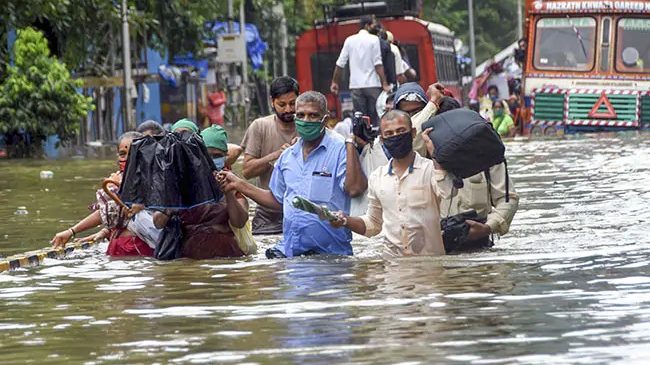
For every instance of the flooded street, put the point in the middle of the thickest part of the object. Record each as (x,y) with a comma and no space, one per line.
(569,284)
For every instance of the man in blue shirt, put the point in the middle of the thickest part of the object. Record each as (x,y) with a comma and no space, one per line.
(319,167)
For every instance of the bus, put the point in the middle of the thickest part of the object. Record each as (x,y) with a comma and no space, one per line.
(587,66)
(429,48)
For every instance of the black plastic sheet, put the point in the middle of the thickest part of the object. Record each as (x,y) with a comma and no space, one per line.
(170,171)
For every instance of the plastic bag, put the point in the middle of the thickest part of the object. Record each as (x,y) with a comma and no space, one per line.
(142,225)
(244,237)
(170,246)
(170,171)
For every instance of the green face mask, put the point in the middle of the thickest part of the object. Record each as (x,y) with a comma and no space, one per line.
(309,131)
(498,112)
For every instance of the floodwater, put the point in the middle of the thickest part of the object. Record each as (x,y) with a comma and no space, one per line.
(570,284)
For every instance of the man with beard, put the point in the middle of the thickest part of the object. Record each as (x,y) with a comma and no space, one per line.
(263,144)
(320,167)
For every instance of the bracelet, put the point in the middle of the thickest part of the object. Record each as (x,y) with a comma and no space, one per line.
(73,232)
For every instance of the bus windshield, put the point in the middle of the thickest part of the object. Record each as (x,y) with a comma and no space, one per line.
(565,44)
(633,45)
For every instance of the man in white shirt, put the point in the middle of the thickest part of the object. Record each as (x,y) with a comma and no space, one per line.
(399,63)
(404,195)
(367,78)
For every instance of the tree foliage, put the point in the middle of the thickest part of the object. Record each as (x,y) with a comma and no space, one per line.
(495,22)
(38,94)
(89,31)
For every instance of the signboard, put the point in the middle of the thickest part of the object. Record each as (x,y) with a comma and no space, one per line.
(231,48)
(604,6)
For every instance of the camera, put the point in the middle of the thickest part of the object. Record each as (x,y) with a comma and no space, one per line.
(362,128)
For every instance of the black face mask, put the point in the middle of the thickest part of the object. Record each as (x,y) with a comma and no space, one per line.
(399,146)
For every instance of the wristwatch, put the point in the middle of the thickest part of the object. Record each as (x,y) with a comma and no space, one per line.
(351,140)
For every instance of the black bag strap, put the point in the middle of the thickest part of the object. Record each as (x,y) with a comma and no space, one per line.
(505,163)
(488,180)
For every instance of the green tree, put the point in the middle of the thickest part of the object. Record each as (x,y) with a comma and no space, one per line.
(495,22)
(89,31)
(38,94)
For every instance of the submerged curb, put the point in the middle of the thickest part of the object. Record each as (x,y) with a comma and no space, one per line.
(35,258)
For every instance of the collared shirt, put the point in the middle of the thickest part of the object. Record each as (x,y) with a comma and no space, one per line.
(363,52)
(407,208)
(475,194)
(321,179)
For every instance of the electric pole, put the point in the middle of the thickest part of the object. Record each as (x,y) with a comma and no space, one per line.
(472,42)
(520,28)
(126,69)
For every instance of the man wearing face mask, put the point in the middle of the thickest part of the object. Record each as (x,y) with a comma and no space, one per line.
(320,167)
(215,139)
(264,141)
(404,195)
(420,106)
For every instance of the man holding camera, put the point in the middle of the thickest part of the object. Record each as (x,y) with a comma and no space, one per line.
(404,195)
(485,196)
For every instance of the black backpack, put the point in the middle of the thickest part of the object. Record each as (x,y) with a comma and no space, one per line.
(465,144)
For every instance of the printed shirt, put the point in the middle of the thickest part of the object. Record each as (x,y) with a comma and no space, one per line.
(363,52)
(407,208)
(320,178)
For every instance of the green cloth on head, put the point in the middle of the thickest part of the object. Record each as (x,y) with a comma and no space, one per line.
(215,137)
(503,124)
(185,123)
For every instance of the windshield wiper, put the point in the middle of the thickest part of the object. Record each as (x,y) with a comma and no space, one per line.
(579,36)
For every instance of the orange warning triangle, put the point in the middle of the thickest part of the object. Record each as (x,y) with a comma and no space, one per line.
(609,114)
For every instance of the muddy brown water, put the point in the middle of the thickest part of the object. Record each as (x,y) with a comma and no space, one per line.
(570,284)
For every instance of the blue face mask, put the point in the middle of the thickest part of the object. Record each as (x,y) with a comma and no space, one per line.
(219,162)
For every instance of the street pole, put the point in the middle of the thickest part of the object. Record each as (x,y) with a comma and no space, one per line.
(126,69)
(520,27)
(230,11)
(472,42)
(244,65)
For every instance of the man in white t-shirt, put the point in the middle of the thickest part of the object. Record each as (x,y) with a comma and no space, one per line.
(367,78)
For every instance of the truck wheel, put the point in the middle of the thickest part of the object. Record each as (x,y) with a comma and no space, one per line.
(550,131)
(536,131)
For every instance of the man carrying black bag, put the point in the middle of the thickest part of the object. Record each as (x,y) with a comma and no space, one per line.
(484,206)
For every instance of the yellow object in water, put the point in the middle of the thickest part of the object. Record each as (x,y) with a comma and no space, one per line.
(35,258)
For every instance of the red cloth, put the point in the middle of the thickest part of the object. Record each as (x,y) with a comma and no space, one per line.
(214,109)
(206,233)
(128,246)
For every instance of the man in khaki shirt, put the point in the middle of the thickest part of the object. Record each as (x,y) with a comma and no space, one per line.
(403,196)
(489,203)
(264,141)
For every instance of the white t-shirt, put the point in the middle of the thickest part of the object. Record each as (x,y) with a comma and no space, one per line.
(362,50)
(344,128)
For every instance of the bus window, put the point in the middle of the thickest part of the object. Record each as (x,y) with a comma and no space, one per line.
(412,58)
(322,68)
(633,45)
(565,44)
